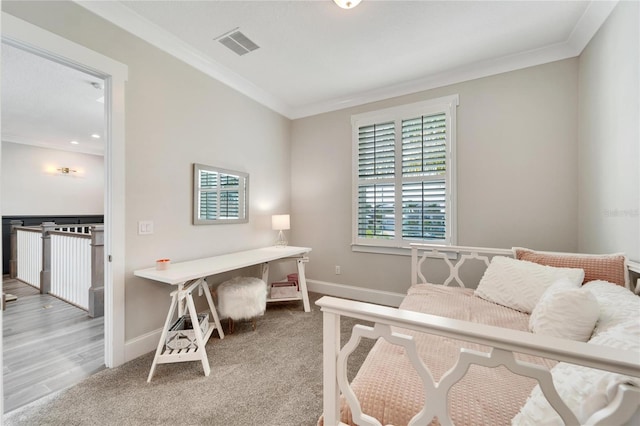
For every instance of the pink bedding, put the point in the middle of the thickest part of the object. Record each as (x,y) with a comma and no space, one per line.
(390,390)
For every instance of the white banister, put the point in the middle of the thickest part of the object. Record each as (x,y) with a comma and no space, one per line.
(66,261)
(71,267)
(29,251)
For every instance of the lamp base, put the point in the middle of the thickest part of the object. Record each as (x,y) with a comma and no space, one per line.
(281,242)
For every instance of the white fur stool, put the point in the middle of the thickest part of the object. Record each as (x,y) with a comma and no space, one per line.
(242,298)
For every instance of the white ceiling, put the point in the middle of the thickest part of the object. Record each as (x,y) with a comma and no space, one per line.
(314,57)
(49,105)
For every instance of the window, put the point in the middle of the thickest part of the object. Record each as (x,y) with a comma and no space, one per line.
(220,196)
(403,174)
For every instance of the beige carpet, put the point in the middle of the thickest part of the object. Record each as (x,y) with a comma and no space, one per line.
(271,376)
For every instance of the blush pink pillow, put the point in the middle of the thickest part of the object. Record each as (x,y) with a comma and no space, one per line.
(605,267)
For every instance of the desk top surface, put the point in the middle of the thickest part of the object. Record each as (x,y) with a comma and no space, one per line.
(181,272)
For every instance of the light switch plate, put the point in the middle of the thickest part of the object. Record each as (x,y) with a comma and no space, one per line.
(145,227)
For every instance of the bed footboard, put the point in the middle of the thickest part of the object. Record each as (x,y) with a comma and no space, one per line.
(504,343)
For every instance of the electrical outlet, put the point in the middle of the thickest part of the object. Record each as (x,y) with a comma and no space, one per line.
(338,272)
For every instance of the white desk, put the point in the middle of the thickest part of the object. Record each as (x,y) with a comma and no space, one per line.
(191,275)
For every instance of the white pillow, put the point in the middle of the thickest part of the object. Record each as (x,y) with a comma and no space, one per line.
(617,304)
(565,311)
(518,284)
(584,390)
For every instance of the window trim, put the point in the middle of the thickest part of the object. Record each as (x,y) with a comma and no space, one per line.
(445,104)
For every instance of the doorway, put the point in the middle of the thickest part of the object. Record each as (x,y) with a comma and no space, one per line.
(25,36)
(53,170)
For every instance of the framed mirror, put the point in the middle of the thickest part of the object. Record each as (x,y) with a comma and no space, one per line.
(220,196)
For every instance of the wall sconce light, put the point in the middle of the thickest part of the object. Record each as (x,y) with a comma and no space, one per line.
(280,222)
(66,170)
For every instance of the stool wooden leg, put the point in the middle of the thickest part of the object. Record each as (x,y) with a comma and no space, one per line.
(212,309)
(253,323)
(230,322)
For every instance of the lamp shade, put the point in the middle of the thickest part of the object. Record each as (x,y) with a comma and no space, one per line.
(280,222)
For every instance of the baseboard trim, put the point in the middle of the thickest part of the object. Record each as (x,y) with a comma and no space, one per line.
(379,297)
(141,345)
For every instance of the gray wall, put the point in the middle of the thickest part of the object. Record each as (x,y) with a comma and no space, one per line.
(516,170)
(609,153)
(31,185)
(176,116)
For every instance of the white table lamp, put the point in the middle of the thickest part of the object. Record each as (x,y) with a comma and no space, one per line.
(280,222)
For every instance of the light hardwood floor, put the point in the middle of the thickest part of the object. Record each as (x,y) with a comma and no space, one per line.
(48,345)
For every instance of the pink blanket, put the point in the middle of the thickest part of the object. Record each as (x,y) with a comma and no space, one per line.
(390,390)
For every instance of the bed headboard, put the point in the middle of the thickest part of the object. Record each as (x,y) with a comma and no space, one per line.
(460,254)
(455,258)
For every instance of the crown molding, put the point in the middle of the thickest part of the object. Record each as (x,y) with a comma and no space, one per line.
(592,19)
(135,24)
(594,16)
(123,17)
(459,75)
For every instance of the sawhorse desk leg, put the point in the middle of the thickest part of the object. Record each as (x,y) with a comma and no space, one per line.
(200,341)
(302,280)
(178,297)
(165,330)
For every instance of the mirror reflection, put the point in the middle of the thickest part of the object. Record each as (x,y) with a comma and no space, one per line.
(220,196)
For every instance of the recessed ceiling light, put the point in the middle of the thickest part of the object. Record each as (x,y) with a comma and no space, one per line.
(75,142)
(95,136)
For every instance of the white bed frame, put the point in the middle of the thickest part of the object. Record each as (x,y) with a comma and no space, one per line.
(625,409)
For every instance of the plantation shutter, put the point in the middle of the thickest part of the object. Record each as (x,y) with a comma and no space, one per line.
(376,150)
(424,145)
(423,210)
(404,175)
(424,166)
(376,194)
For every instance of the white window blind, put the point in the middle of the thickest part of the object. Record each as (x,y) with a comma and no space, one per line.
(403,174)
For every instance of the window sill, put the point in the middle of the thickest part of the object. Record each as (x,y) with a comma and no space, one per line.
(363,248)
(396,251)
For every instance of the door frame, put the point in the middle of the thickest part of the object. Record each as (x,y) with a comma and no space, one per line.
(29,37)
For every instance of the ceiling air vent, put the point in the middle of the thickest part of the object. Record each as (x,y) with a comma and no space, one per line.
(237,42)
